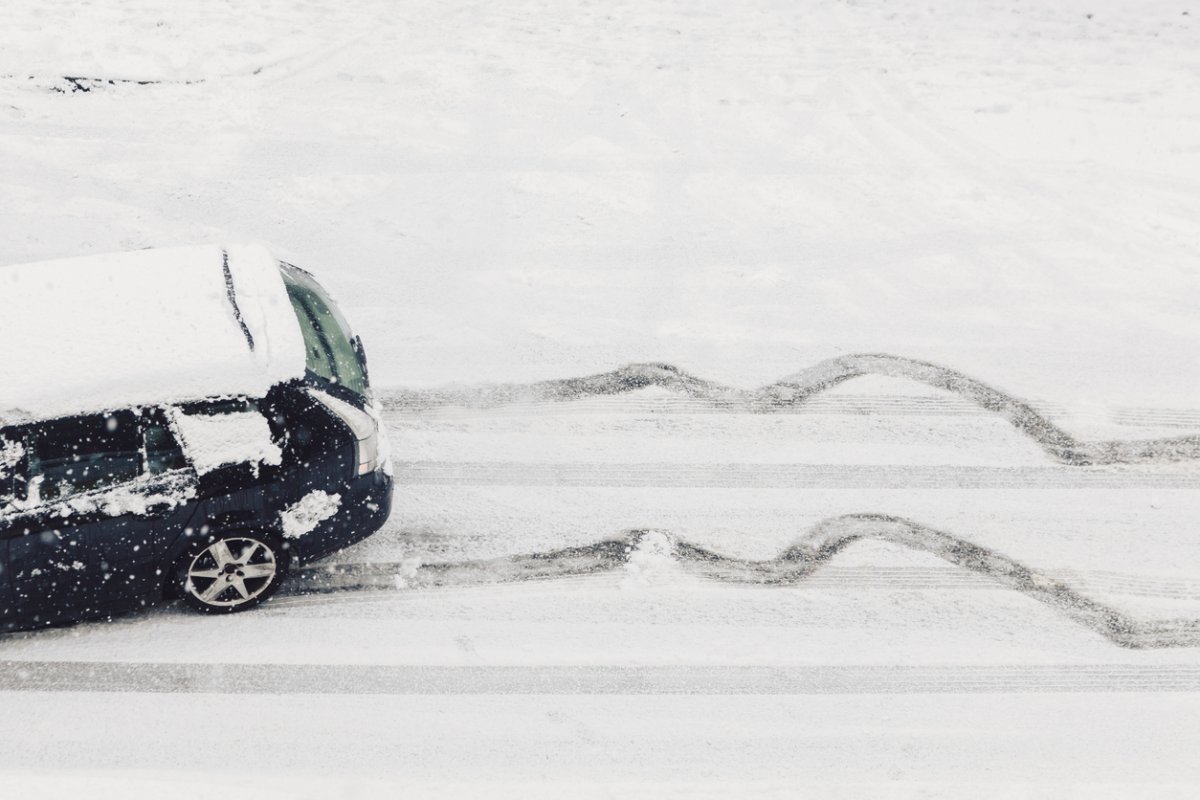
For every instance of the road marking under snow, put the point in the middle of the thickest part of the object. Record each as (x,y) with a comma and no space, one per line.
(783,476)
(357,679)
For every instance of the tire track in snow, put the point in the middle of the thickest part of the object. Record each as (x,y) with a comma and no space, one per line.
(794,566)
(799,388)
(361,576)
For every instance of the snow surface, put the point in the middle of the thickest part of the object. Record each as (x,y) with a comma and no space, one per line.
(153,326)
(522,190)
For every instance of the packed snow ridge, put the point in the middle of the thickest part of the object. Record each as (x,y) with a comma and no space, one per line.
(214,440)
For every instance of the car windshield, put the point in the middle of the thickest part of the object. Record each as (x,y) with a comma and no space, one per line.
(328,345)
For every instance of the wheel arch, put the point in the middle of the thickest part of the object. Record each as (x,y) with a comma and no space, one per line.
(230,523)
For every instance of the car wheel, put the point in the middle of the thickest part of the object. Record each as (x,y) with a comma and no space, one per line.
(231,572)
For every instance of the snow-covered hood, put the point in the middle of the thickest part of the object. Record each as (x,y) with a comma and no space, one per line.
(142,328)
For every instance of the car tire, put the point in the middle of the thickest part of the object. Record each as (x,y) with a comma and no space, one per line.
(231,572)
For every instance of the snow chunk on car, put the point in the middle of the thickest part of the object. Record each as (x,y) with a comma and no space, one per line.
(10,455)
(306,514)
(215,440)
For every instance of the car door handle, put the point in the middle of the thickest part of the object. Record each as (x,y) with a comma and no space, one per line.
(160,509)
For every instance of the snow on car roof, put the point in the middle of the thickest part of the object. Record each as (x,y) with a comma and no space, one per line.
(147,327)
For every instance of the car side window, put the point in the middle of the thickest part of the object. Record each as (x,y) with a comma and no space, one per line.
(80,454)
(162,450)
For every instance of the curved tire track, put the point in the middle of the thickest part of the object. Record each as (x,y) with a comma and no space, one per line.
(798,388)
(795,565)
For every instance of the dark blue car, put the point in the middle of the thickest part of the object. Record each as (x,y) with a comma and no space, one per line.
(211,496)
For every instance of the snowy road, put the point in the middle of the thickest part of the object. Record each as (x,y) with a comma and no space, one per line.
(432,659)
(639,746)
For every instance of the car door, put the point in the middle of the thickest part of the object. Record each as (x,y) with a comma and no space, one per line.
(97,510)
(157,506)
(67,465)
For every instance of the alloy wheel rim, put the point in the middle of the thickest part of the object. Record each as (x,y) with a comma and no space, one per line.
(231,572)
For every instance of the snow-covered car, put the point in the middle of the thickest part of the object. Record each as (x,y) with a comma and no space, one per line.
(182,422)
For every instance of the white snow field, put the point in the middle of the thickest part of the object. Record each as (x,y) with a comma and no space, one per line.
(889,587)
